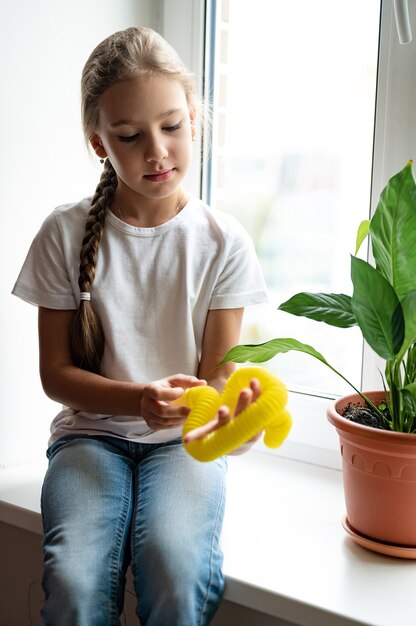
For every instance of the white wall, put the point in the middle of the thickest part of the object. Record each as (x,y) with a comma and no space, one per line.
(43,47)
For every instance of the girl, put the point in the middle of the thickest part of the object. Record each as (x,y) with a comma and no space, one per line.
(134,284)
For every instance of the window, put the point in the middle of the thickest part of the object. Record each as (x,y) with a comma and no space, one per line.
(294,105)
(312,113)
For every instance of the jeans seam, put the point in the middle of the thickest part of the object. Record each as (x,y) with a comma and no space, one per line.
(132,539)
(116,563)
(214,534)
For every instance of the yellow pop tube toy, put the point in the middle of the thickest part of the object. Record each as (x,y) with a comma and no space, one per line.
(268,412)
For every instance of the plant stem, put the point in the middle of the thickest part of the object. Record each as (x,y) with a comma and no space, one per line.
(363,396)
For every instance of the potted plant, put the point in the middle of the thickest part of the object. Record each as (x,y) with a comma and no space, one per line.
(376,429)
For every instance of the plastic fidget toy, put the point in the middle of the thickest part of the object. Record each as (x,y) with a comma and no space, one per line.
(268,412)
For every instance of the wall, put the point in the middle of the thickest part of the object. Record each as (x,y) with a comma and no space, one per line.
(44,162)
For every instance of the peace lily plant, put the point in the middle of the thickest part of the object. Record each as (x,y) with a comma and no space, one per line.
(383,304)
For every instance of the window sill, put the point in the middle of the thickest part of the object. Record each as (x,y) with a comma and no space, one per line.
(286,553)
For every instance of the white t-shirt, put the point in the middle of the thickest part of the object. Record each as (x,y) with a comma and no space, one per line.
(152,292)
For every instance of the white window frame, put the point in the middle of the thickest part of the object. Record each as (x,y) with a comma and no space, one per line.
(395,128)
(184,23)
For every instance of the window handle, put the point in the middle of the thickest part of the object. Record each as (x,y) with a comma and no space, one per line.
(401,11)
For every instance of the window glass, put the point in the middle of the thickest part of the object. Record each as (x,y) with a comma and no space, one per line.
(294,101)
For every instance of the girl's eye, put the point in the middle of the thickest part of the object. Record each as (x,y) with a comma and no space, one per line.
(129,138)
(171,129)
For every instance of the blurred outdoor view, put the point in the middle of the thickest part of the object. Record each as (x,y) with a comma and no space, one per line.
(292,151)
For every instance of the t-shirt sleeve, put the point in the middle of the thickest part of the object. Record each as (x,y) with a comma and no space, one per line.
(44,278)
(241,282)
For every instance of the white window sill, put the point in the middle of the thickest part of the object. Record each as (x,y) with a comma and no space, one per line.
(286,553)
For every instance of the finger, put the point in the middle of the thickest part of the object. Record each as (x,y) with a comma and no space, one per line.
(164,414)
(182,380)
(201,431)
(160,393)
(166,410)
(244,400)
(172,388)
(255,388)
(223,416)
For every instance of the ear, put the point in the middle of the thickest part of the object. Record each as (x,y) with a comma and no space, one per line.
(192,117)
(98,146)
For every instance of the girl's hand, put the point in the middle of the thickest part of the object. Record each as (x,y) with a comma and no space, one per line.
(156,409)
(247,396)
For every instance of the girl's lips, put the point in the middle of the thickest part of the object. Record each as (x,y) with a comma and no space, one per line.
(158,177)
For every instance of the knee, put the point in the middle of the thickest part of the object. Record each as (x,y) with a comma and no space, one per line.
(179,565)
(77,588)
(70,582)
(173,561)
(178,584)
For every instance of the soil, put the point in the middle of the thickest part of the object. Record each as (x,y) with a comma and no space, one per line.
(365,415)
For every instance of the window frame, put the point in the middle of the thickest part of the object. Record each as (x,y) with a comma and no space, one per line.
(183,23)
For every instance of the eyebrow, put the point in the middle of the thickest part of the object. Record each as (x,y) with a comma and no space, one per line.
(130,122)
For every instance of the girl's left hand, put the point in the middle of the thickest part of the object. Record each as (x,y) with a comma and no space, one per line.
(247,396)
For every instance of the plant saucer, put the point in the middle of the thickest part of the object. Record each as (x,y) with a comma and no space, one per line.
(389,549)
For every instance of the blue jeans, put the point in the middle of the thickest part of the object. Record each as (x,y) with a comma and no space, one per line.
(107,503)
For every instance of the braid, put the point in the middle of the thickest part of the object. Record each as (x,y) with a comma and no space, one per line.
(87,337)
(95,225)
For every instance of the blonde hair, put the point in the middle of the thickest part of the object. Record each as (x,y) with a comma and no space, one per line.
(126,53)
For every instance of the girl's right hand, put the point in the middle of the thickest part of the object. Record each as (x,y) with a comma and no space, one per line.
(156,408)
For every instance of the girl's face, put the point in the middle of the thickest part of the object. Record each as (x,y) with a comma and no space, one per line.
(146,130)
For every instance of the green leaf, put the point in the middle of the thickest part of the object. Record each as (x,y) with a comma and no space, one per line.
(377,309)
(409,311)
(393,232)
(363,230)
(408,394)
(265,351)
(411,390)
(331,308)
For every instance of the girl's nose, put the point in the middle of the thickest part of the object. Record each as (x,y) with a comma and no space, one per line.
(155,150)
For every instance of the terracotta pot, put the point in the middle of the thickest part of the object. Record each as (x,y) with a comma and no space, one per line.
(379,473)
